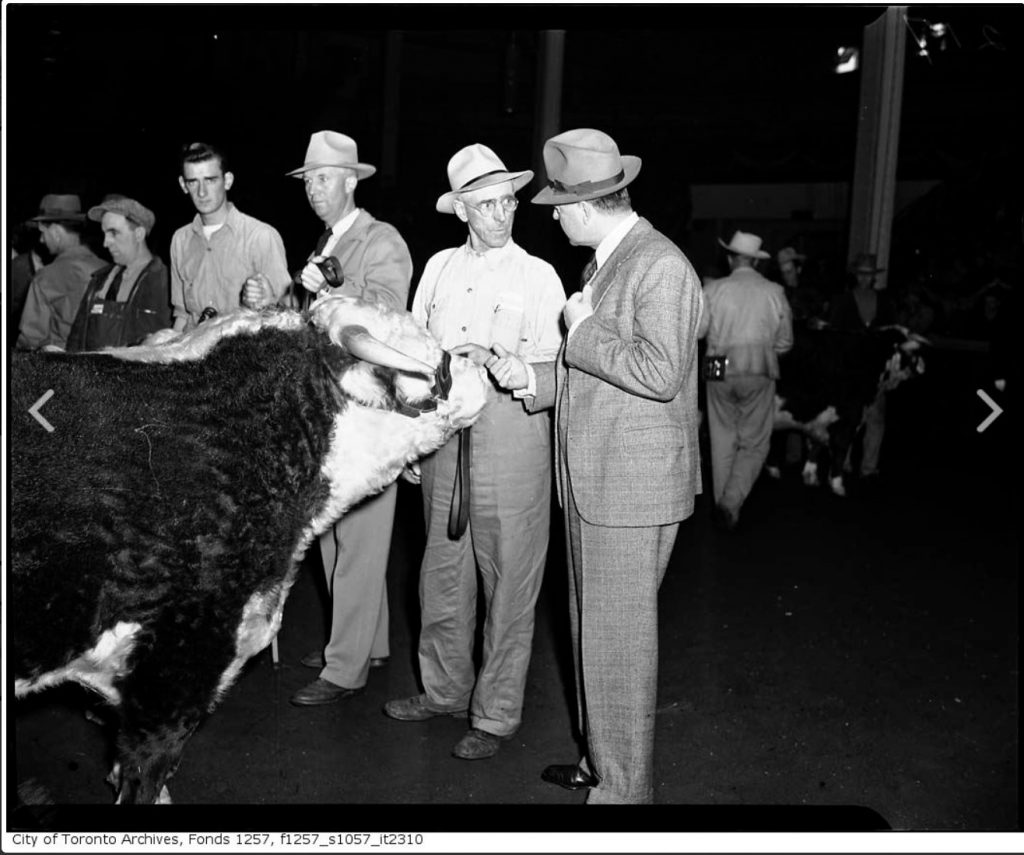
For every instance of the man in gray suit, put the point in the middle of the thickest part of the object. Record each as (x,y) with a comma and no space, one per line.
(624,389)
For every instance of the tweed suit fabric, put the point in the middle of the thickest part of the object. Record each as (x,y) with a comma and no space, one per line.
(624,388)
(614,648)
(510,494)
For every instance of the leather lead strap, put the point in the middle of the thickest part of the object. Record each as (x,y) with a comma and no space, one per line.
(458,517)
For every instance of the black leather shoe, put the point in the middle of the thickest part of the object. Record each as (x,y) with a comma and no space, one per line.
(314,659)
(321,691)
(570,776)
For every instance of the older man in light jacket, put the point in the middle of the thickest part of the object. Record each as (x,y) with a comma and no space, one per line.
(750,325)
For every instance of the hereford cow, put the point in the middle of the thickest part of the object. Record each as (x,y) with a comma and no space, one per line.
(828,378)
(157,528)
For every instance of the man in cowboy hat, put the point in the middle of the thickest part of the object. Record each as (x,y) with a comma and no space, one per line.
(131,298)
(223,258)
(624,389)
(486,292)
(370,260)
(56,290)
(750,325)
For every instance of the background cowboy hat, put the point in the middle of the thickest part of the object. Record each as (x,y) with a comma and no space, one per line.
(744,243)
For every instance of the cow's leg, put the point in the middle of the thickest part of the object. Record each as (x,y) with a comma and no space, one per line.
(809,473)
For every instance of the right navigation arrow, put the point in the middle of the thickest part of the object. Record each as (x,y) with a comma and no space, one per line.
(991,417)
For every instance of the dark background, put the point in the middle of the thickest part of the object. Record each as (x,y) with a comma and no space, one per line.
(101,98)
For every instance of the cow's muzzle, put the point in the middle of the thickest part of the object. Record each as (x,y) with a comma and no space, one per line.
(360,343)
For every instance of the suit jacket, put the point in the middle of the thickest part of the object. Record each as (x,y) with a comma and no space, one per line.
(375,262)
(624,387)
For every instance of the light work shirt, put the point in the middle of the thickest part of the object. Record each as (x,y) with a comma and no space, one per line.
(212,271)
(504,296)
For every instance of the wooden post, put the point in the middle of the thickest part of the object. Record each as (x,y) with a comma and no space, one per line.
(878,132)
(548,117)
(389,125)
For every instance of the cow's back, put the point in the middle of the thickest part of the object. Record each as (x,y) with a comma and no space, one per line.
(105,524)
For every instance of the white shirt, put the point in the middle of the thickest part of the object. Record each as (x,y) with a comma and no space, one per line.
(504,296)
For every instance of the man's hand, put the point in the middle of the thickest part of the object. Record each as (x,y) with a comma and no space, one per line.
(578,306)
(411,473)
(311,278)
(257,292)
(477,352)
(508,371)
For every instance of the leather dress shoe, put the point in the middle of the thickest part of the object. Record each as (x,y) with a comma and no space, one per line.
(321,691)
(415,709)
(316,660)
(478,745)
(570,776)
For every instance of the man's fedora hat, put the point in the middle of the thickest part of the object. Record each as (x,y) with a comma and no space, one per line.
(128,208)
(584,164)
(744,243)
(59,208)
(866,262)
(329,148)
(473,168)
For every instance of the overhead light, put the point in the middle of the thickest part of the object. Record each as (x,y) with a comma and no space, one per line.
(847,59)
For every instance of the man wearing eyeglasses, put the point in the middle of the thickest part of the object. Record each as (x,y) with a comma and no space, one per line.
(485,293)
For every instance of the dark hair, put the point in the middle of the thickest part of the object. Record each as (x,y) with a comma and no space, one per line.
(199,152)
(617,201)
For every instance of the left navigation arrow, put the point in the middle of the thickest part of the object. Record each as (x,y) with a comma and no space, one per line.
(34,410)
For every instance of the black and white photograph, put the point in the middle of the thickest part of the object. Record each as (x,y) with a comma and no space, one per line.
(422,421)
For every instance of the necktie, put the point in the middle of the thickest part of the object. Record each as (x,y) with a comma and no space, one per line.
(320,244)
(589,270)
(115,285)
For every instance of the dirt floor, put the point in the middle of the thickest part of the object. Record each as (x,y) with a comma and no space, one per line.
(841,664)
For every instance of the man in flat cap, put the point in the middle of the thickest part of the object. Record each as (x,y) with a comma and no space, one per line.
(751,324)
(624,389)
(365,258)
(56,290)
(131,298)
(223,259)
(485,292)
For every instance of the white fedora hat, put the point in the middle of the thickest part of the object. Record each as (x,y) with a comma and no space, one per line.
(329,148)
(744,243)
(474,167)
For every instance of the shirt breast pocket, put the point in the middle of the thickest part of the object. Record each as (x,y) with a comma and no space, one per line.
(507,323)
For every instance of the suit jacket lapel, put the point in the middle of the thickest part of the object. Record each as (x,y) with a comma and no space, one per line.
(608,271)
